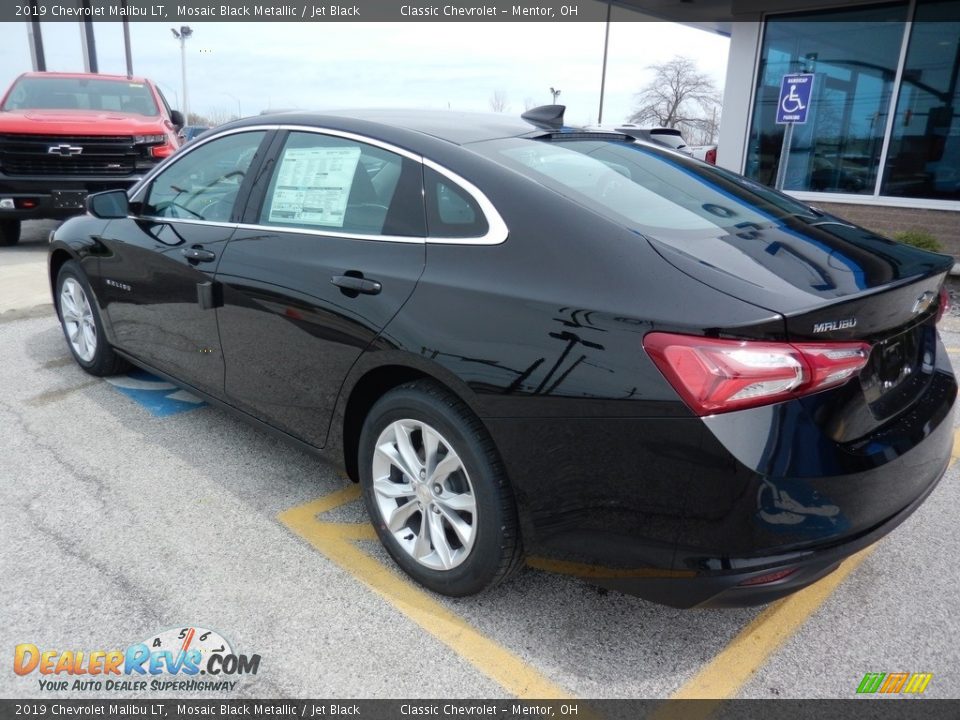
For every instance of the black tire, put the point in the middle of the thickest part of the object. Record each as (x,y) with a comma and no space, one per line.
(496,550)
(9,232)
(104,360)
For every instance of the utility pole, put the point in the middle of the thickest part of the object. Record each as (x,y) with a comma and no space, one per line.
(88,43)
(556,94)
(127,53)
(603,73)
(183,35)
(35,36)
(236,100)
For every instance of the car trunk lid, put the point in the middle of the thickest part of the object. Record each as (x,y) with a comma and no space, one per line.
(833,282)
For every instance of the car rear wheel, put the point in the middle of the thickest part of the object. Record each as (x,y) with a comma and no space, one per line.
(82,326)
(9,232)
(436,491)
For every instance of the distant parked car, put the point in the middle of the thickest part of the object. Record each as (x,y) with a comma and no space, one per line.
(843,173)
(707,153)
(190,132)
(669,137)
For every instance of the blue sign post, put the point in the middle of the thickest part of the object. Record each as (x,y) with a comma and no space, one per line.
(794,104)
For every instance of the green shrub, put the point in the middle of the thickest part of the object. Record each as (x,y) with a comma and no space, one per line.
(918,238)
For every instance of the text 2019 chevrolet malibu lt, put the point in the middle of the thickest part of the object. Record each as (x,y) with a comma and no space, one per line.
(524,338)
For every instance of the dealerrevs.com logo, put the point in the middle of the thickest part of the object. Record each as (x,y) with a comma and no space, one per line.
(180,659)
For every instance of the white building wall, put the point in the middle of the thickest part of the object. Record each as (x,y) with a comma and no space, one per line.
(738,94)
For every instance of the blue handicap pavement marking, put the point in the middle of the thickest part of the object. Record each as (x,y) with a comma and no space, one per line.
(795,93)
(158,396)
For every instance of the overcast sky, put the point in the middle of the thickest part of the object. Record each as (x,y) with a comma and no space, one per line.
(425,65)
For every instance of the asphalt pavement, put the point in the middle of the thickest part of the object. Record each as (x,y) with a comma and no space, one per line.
(127,509)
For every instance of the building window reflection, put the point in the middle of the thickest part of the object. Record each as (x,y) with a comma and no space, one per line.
(924,156)
(839,148)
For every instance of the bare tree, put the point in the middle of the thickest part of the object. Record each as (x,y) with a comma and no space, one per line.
(498,101)
(529,103)
(682,97)
(218,116)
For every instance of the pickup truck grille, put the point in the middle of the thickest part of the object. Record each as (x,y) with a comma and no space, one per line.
(101,155)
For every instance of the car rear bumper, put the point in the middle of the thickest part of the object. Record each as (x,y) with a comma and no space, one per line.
(683,511)
(742,588)
(42,192)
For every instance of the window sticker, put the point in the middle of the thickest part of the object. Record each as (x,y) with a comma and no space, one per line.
(313,185)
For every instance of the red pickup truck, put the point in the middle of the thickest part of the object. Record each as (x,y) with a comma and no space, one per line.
(65,135)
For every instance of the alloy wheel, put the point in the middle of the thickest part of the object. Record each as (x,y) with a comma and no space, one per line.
(424,495)
(78,320)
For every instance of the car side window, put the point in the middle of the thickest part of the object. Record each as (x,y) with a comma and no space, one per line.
(333,184)
(204,183)
(451,211)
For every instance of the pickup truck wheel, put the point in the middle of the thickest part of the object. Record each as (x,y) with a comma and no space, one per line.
(9,232)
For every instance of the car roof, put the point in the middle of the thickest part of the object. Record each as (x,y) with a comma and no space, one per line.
(456,127)
(86,76)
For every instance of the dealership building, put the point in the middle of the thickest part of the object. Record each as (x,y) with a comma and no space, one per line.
(880,143)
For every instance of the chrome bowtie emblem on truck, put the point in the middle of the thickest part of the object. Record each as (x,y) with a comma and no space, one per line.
(64,150)
(924,301)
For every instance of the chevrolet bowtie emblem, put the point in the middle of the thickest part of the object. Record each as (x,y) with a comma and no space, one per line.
(64,150)
(924,301)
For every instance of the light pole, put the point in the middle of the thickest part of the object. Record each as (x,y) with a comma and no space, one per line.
(237,100)
(183,35)
(556,94)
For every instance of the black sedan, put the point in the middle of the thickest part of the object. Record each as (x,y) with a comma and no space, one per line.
(526,338)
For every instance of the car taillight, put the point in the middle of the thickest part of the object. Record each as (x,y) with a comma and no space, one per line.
(162,151)
(944,303)
(711,156)
(714,376)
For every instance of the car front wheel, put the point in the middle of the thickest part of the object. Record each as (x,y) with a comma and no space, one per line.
(82,326)
(436,491)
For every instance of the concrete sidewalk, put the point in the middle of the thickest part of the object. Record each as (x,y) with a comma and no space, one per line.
(23,269)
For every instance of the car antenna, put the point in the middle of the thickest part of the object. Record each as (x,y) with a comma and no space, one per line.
(548,117)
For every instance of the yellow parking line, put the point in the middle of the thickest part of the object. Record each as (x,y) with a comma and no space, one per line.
(718,680)
(723,676)
(337,542)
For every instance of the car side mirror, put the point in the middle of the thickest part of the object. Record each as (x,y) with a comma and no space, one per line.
(109,205)
(176,117)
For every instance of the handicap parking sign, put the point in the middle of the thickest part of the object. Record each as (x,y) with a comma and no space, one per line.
(795,93)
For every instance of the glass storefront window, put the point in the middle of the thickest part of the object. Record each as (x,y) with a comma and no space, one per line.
(854,54)
(924,156)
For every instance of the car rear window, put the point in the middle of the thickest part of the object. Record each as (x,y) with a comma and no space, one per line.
(653,191)
(43,93)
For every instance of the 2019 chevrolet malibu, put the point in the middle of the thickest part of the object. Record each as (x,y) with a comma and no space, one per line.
(522,337)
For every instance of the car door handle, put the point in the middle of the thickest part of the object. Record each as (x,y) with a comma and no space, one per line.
(198,254)
(356,284)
